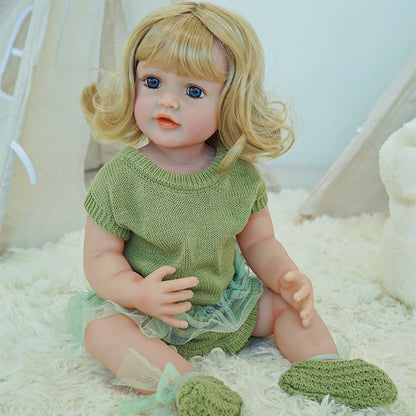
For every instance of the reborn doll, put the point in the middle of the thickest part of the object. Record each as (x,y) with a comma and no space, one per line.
(174,220)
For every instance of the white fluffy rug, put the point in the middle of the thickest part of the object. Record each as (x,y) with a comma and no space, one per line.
(44,372)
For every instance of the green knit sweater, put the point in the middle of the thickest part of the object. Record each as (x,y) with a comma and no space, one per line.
(188,221)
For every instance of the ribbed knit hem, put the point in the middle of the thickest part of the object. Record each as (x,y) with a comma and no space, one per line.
(231,343)
(260,204)
(148,170)
(102,219)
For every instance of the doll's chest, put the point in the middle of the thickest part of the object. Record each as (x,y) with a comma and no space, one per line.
(176,217)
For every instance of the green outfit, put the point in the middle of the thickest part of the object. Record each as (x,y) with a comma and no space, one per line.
(188,221)
(355,383)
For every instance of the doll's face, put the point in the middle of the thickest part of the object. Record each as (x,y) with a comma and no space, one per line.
(174,111)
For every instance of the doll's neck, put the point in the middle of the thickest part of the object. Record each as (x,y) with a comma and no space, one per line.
(189,159)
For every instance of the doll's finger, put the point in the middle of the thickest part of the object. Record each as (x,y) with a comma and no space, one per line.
(307,310)
(287,280)
(289,277)
(306,322)
(180,284)
(305,319)
(161,272)
(305,314)
(178,296)
(302,294)
(175,322)
(176,308)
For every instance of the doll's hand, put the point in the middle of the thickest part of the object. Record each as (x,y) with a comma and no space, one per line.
(159,298)
(296,290)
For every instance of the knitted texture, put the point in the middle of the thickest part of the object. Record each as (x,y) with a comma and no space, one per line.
(207,396)
(188,221)
(230,343)
(355,383)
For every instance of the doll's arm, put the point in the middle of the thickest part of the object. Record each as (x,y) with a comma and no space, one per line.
(112,278)
(270,262)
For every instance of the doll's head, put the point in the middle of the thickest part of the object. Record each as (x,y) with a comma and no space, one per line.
(180,37)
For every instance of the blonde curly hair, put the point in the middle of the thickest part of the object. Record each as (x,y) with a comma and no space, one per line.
(181,36)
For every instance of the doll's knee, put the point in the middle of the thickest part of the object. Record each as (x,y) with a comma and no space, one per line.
(280,306)
(93,334)
(274,304)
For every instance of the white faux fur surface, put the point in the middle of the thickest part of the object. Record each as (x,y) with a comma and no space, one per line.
(44,372)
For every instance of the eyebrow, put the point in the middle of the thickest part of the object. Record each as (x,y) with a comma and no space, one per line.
(148,69)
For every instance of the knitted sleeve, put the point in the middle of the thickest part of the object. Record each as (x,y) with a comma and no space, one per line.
(261,199)
(101,205)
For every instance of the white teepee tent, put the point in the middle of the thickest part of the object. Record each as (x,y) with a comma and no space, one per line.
(46,49)
(352,185)
(51,45)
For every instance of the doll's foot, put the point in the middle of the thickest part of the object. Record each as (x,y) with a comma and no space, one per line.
(355,383)
(207,396)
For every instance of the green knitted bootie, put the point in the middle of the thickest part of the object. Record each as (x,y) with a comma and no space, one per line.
(207,396)
(355,383)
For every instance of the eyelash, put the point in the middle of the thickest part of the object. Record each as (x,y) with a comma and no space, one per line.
(146,78)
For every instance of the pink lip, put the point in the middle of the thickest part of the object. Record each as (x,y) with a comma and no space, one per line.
(166,122)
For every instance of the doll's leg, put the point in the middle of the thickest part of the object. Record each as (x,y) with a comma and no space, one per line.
(110,339)
(119,344)
(354,382)
(294,341)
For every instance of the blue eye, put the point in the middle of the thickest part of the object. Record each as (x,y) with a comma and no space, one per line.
(152,82)
(195,92)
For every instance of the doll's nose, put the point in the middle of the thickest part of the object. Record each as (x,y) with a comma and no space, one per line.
(168,100)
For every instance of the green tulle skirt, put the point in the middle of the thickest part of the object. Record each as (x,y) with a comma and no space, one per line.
(227,324)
